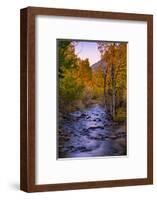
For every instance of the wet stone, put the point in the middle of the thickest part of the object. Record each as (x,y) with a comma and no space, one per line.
(90,133)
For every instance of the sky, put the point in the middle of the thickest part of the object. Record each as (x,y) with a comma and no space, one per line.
(88,50)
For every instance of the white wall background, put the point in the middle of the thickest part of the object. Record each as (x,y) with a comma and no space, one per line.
(10,99)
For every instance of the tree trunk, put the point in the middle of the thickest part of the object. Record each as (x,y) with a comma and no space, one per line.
(105,95)
(104,68)
(113,91)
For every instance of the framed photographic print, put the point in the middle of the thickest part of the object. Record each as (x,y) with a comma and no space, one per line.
(86,99)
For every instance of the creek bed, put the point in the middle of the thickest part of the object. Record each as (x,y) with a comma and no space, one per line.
(90,133)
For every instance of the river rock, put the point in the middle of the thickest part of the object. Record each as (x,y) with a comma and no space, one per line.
(96,127)
(113,137)
(88,117)
(97,120)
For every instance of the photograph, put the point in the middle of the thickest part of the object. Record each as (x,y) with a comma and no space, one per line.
(92,98)
(86,99)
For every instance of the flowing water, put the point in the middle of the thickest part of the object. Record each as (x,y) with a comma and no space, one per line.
(90,133)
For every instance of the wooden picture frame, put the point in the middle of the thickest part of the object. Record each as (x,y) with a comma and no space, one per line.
(27,98)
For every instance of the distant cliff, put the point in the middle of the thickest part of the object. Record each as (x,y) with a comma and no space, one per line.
(95,65)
